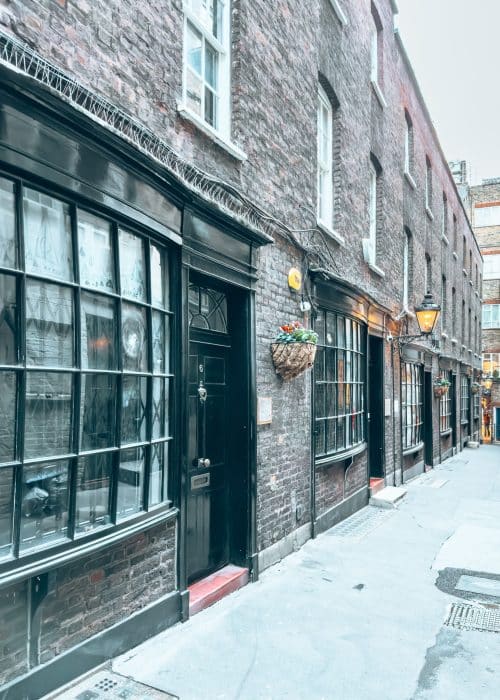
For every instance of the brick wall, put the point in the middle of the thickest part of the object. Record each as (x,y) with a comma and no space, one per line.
(14,617)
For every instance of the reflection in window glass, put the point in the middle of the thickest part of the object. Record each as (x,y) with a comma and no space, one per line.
(93,492)
(134,395)
(130,482)
(95,252)
(98,411)
(161,343)
(160,408)
(8,247)
(207,309)
(6,507)
(157,483)
(47,429)
(159,278)
(132,266)
(8,320)
(134,338)
(7,415)
(45,504)
(98,332)
(49,324)
(47,236)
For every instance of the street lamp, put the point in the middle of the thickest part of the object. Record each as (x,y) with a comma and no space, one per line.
(427,314)
(488,383)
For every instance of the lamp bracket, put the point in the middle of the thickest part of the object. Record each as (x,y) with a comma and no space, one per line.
(400,341)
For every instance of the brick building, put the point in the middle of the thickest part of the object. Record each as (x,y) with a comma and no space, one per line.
(159,180)
(483,204)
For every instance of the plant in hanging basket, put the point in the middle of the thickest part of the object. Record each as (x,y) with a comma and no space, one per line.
(294,350)
(441,386)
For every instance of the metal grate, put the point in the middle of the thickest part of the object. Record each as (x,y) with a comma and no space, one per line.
(107,685)
(474,617)
(361,523)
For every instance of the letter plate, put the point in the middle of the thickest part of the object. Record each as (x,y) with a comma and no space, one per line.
(200,480)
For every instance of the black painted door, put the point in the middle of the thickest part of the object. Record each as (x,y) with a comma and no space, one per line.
(376,406)
(208,436)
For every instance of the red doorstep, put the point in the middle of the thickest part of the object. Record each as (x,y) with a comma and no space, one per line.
(209,590)
(376,485)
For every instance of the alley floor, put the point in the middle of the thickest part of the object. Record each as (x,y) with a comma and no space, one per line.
(397,604)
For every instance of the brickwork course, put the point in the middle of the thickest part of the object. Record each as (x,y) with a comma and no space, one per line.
(131,54)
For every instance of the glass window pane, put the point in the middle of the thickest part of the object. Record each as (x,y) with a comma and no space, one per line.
(47,236)
(132,266)
(7,416)
(134,338)
(161,343)
(159,277)
(159,473)
(210,107)
(95,252)
(6,509)
(49,400)
(193,48)
(98,411)
(193,92)
(331,335)
(130,482)
(320,438)
(211,66)
(49,325)
(98,324)
(45,504)
(319,327)
(93,492)
(8,245)
(160,408)
(8,320)
(134,395)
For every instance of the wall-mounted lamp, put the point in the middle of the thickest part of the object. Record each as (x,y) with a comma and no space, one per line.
(488,383)
(427,314)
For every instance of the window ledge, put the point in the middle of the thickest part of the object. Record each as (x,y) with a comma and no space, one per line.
(378,92)
(454,341)
(464,422)
(324,462)
(52,561)
(476,293)
(471,282)
(410,180)
(224,143)
(464,271)
(413,449)
(445,433)
(374,268)
(331,233)
(339,12)
(444,239)
(429,213)
(444,335)
(455,255)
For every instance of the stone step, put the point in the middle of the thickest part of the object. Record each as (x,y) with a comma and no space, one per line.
(376,485)
(213,588)
(388,497)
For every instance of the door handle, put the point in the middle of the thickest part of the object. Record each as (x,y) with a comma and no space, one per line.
(203,463)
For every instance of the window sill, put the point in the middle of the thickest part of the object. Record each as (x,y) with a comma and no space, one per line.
(445,433)
(338,11)
(454,341)
(374,268)
(331,233)
(429,213)
(444,335)
(414,448)
(25,569)
(477,294)
(464,422)
(224,143)
(444,239)
(455,255)
(410,180)
(464,271)
(378,92)
(325,462)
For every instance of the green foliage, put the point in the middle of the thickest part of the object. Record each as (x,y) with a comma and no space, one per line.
(296,333)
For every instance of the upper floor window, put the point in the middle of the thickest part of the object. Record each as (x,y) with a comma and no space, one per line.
(491,364)
(444,219)
(325,181)
(207,62)
(376,48)
(491,266)
(407,264)
(453,313)
(428,184)
(455,234)
(487,214)
(464,254)
(428,273)
(491,315)
(444,302)
(408,144)
(370,244)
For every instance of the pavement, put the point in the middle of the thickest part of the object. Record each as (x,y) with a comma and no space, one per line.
(392,604)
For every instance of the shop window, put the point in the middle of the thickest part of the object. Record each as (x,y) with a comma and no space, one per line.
(85,373)
(464,399)
(412,404)
(339,384)
(445,406)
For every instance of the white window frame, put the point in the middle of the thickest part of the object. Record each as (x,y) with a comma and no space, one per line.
(406,271)
(491,261)
(373,210)
(222,48)
(374,74)
(325,167)
(428,186)
(491,316)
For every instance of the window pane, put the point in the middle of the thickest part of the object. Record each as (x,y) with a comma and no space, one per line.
(8,246)
(211,66)
(98,332)
(49,325)
(6,509)
(134,338)
(210,14)
(193,48)
(95,252)
(45,504)
(159,472)
(47,236)
(8,320)
(130,482)
(210,107)
(98,411)
(47,430)
(132,266)
(7,416)
(93,492)
(193,92)
(134,409)
(161,343)
(160,408)
(159,277)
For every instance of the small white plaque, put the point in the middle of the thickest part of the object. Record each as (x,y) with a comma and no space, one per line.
(387,408)
(264,410)
(396,407)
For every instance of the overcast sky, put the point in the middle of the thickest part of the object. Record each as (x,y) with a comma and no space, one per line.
(454,47)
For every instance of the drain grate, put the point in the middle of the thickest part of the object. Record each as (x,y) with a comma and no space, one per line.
(108,685)
(361,523)
(474,617)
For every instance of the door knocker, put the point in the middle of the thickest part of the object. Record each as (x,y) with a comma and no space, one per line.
(202,393)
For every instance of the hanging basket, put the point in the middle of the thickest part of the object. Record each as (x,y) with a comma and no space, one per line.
(474,388)
(291,359)
(440,390)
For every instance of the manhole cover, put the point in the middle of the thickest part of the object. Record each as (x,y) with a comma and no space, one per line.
(474,617)
(107,685)
(361,523)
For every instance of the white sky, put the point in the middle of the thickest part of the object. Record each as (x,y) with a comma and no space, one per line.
(454,47)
